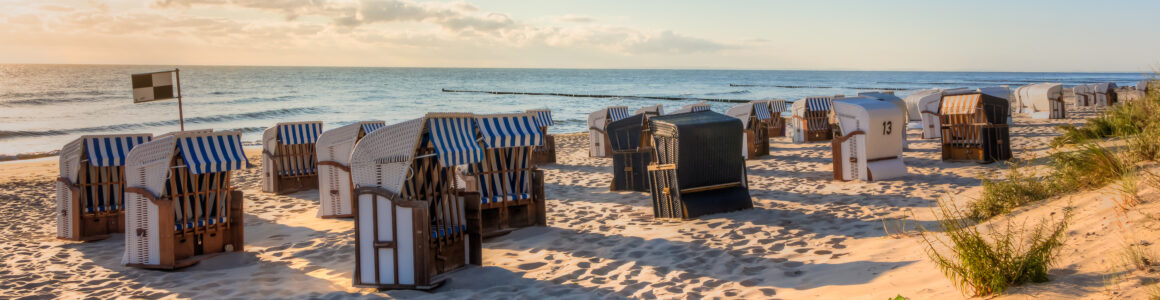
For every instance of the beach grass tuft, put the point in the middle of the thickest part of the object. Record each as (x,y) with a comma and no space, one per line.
(988,263)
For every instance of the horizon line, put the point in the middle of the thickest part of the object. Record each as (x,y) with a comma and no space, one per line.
(1150,73)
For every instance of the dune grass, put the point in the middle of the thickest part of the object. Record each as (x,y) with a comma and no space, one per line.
(988,263)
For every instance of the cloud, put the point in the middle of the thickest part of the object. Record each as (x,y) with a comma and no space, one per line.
(575,19)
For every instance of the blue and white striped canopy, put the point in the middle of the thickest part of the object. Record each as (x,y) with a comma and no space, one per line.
(299,133)
(213,152)
(369,127)
(762,111)
(543,117)
(615,113)
(776,106)
(454,140)
(818,103)
(110,150)
(506,131)
(696,107)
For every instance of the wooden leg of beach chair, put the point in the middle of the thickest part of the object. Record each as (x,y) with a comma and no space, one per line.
(237,236)
(539,201)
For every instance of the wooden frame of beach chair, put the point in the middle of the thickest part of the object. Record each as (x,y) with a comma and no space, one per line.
(336,191)
(1105,94)
(598,145)
(974,128)
(544,154)
(871,143)
(89,191)
(289,160)
(632,152)
(181,206)
(510,188)
(811,120)
(412,221)
(754,118)
(696,169)
(1042,100)
(776,123)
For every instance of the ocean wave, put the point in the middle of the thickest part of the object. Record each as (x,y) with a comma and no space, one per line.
(52,101)
(741,92)
(258,115)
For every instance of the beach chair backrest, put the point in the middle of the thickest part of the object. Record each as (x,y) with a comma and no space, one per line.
(879,121)
(776,107)
(543,117)
(504,174)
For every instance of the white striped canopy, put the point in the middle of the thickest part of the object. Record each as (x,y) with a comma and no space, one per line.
(543,117)
(695,107)
(110,150)
(615,113)
(371,126)
(818,103)
(509,130)
(213,152)
(959,104)
(777,106)
(299,132)
(453,136)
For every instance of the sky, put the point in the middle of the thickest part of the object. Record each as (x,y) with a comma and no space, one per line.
(930,35)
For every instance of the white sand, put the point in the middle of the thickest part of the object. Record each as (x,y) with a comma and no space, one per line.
(808,237)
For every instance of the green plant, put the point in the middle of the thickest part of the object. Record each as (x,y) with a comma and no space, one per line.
(1136,257)
(1091,166)
(988,263)
(1018,188)
(899,297)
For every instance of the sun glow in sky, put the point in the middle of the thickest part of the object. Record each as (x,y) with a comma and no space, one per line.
(812,35)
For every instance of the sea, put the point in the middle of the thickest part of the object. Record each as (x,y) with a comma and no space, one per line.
(42,107)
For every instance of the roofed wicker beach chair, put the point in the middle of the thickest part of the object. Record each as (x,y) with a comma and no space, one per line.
(776,123)
(1041,101)
(871,141)
(181,206)
(697,170)
(1105,94)
(89,191)
(811,120)
(754,118)
(925,104)
(974,128)
(1084,95)
(695,107)
(336,191)
(510,188)
(544,154)
(289,163)
(597,139)
(411,221)
(631,153)
(652,110)
(897,101)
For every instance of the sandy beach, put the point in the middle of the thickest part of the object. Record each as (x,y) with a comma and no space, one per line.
(808,237)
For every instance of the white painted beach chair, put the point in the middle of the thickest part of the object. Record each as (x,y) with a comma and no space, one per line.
(652,110)
(811,120)
(926,103)
(89,191)
(913,103)
(870,147)
(1105,94)
(897,101)
(1082,95)
(544,154)
(411,221)
(510,188)
(289,163)
(597,138)
(1042,100)
(695,107)
(180,204)
(335,193)
(776,124)
(755,134)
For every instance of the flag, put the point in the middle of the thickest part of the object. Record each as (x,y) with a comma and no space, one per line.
(153,86)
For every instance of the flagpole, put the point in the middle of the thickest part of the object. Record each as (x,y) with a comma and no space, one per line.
(180,114)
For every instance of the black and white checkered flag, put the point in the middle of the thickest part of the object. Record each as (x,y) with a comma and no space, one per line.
(153,86)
